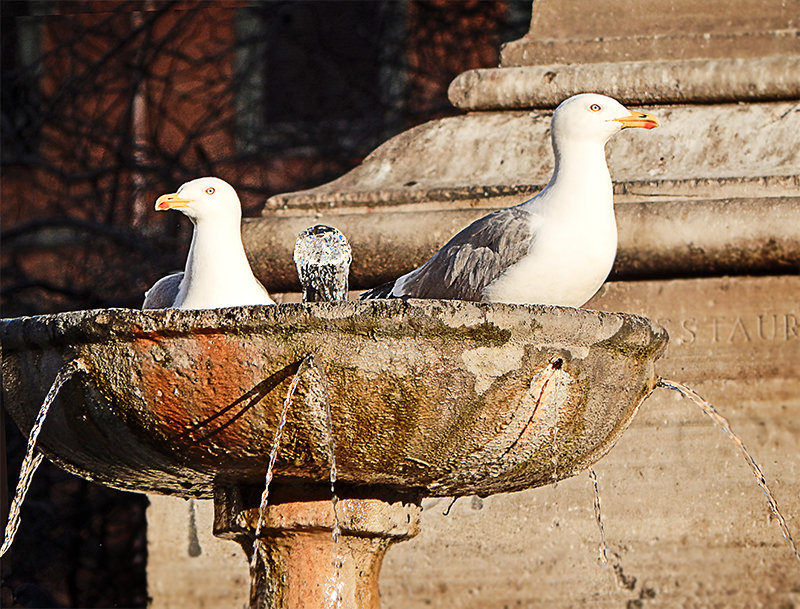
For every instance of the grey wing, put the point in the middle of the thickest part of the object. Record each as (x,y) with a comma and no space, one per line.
(382,291)
(163,293)
(472,259)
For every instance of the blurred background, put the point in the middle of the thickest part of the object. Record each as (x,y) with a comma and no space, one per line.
(108,104)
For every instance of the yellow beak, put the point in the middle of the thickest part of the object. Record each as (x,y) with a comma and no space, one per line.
(638,119)
(170,201)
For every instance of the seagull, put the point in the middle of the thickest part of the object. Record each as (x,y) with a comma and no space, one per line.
(556,248)
(217,271)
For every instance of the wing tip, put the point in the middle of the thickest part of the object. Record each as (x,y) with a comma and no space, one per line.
(381,291)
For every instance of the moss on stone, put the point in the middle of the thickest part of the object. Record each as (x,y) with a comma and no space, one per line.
(482,334)
(626,344)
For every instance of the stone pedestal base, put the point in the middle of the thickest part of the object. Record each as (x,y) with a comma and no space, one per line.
(298,564)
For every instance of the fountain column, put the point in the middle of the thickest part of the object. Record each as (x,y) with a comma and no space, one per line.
(298,563)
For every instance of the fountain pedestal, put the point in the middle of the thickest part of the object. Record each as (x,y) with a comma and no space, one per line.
(299,564)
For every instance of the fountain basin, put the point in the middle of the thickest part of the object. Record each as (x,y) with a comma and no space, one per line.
(439,398)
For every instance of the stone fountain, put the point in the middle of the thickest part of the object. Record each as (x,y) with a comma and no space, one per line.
(426,398)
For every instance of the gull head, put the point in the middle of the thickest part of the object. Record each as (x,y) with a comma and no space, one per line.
(204,199)
(591,117)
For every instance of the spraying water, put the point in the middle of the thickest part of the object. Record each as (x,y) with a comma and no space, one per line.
(725,425)
(322,256)
(273,453)
(606,556)
(34,458)
(335,584)
(331,445)
(598,517)
(334,591)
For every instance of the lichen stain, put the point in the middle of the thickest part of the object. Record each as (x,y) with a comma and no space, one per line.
(490,363)
(637,342)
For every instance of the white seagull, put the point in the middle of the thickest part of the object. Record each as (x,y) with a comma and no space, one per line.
(217,271)
(556,248)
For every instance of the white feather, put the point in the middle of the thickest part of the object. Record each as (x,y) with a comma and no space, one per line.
(573,232)
(217,272)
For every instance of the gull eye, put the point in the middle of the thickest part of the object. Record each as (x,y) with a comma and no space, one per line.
(210,190)
(595,108)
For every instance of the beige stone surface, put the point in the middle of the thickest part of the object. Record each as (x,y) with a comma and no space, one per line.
(480,150)
(680,506)
(569,19)
(586,31)
(187,567)
(633,82)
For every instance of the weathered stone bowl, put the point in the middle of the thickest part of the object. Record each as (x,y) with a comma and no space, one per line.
(437,397)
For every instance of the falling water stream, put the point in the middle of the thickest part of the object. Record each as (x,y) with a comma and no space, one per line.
(333,592)
(606,555)
(446,511)
(554,456)
(33,458)
(599,518)
(726,426)
(331,445)
(273,453)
